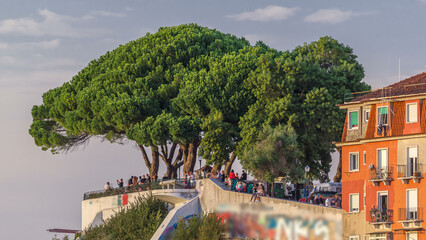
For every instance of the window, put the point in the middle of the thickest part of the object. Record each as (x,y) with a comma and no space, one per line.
(382,201)
(353,161)
(412,113)
(354,202)
(353,120)
(412,204)
(412,161)
(366,115)
(354,237)
(365,198)
(411,236)
(382,115)
(365,158)
(382,159)
(378,236)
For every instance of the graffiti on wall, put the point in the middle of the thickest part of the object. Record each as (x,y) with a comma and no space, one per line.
(243,222)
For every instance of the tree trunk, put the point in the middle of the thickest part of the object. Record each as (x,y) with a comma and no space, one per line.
(189,152)
(215,168)
(338,176)
(167,157)
(228,164)
(154,163)
(153,170)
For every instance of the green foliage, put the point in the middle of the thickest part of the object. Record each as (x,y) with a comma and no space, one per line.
(138,221)
(302,88)
(273,154)
(130,88)
(207,227)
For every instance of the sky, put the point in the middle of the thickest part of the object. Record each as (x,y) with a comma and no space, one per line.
(45,43)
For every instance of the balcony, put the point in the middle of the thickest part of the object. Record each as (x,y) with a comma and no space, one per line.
(410,171)
(381,217)
(410,217)
(378,175)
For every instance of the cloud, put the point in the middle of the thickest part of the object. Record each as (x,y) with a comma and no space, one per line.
(30,45)
(53,24)
(267,14)
(332,15)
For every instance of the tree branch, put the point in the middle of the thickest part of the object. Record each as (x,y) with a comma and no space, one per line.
(145,156)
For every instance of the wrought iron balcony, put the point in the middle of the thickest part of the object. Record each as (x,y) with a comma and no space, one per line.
(410,214)
(410,171)
(381,216)
(378,175)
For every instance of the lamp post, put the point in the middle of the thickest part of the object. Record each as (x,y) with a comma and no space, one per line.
(307,169)
(199,159)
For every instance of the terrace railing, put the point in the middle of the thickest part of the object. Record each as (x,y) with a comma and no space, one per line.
(410,170)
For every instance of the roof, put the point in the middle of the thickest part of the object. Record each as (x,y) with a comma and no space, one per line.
(410,86)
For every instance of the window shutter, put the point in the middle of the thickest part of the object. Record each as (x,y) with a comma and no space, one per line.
(384,110)
(354,118)
(412,113)
(355,202)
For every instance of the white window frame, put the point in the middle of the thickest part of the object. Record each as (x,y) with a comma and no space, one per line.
(365,114)
(408,156)
(349,120)
(387,157)
(409,233)
(350,162)
(350,203)
(407,200)
(365,158)
(407,113)
(378,118)
(383,236)
(354,237)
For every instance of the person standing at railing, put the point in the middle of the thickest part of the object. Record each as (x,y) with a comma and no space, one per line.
(107,187)
(120,183)
(243,176)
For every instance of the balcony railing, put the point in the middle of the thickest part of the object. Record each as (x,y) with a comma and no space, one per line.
(381,216)
(381,174)
(410,170)
(410,214)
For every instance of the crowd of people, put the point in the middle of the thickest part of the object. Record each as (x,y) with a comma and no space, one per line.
(235,182)
(188,179)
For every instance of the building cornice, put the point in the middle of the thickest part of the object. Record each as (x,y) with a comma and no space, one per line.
(381,100)
(381,139)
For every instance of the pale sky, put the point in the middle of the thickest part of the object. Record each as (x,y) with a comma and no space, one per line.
(44,43)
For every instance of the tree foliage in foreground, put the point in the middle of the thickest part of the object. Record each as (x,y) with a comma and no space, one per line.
(274,147)
(138,221)
(207,227)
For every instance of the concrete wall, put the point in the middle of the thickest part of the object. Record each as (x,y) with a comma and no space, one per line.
(300,218)
(111,204)
(189,208)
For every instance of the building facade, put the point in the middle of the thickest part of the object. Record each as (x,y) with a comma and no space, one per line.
(383,151)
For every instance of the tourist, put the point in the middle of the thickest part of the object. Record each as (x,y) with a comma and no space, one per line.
(237,177)
(107,186)
(254,193)
(239,186)
(120,183)
(339,202)
(260,192)
(244,187)
(327,202)
(244,176)
(192,180)
(222,176)
(130,181)
(148,178)
(232,175)
(143,179)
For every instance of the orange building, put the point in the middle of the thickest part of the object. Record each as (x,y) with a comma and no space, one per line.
(383,151)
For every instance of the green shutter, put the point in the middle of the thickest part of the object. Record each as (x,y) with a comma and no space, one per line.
(384,110)
(354,118)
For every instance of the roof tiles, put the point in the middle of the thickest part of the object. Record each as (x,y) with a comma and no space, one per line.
(413,85)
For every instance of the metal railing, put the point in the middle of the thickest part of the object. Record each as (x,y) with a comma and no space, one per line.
(408,214)
(381,173)
(410,170)
(381,216)
(157,184)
